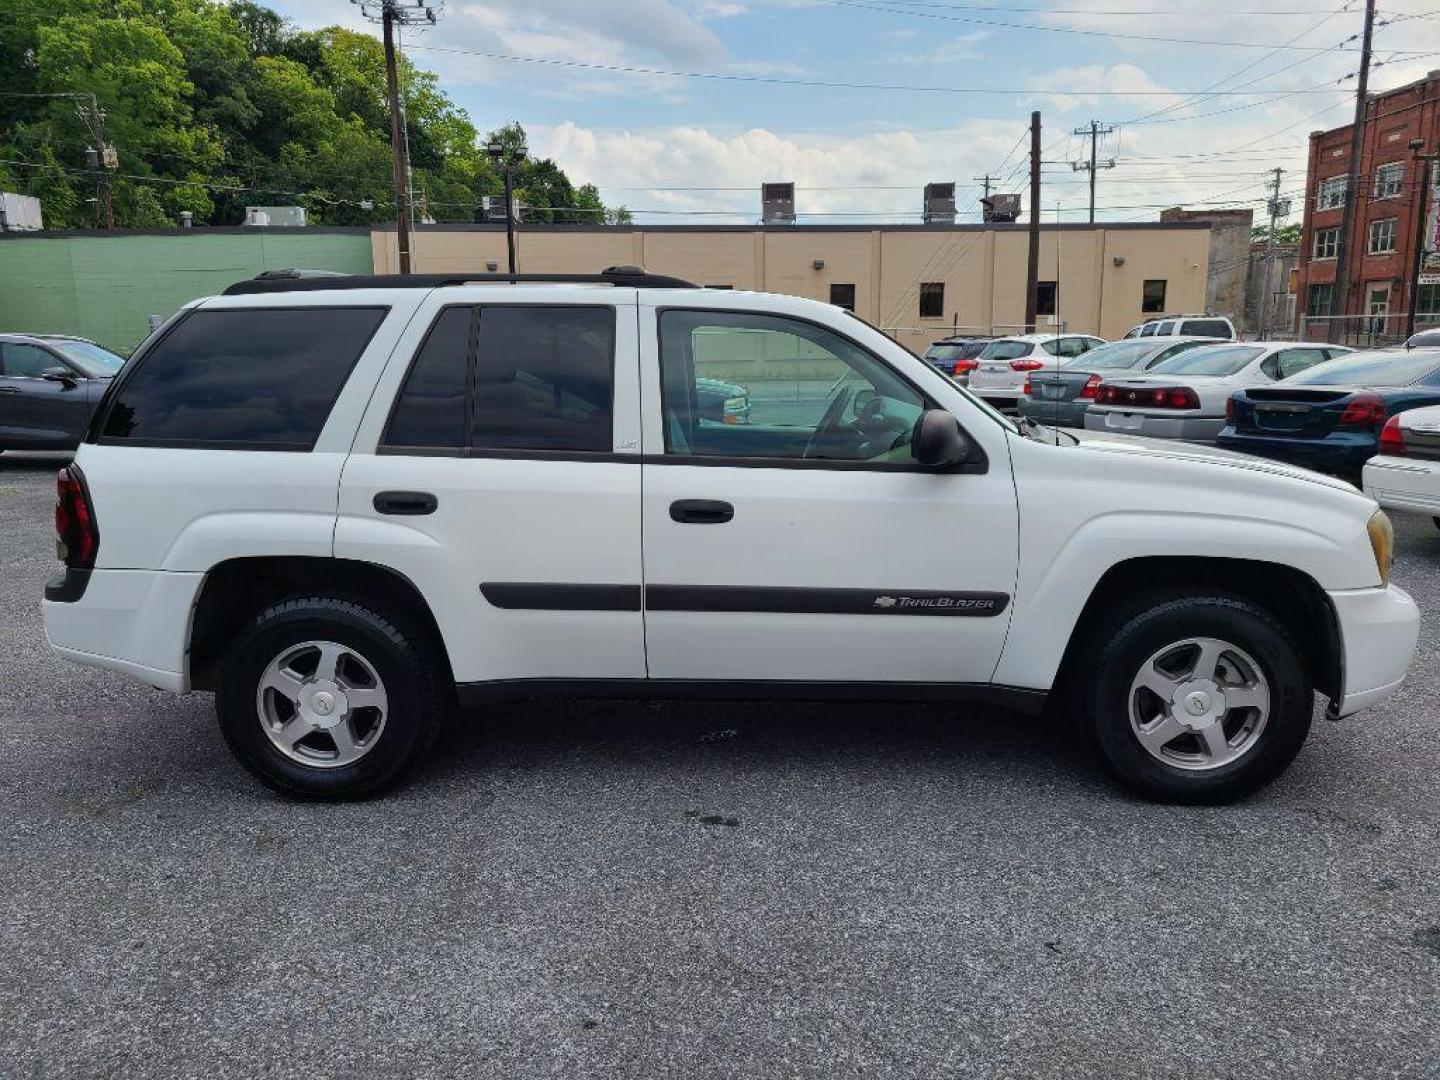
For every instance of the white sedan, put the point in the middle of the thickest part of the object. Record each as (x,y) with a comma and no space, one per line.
(1405,475)
(1184,397)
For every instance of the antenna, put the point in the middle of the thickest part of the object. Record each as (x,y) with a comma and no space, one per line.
(1056,316)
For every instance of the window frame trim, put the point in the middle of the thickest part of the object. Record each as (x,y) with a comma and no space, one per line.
(977,465)
(95,436)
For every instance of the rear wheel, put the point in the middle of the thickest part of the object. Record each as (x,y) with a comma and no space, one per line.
(1196,698)
(326,698)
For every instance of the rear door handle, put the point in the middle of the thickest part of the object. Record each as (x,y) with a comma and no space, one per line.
(405,502)
(701,512)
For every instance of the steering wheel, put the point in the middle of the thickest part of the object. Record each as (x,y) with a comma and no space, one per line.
(829,426)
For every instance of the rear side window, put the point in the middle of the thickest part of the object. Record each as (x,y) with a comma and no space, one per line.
(260,378)
(529,378)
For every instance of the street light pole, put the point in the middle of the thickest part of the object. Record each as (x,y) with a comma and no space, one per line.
(1424,161)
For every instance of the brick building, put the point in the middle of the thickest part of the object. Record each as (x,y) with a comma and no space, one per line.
(1381,256)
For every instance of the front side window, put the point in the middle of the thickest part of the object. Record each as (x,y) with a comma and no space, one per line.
(1382,236)
(529,377)
(1317,299)
(1152,296)
(1331,193)
(1327,243)
(230,378)
(1389,179)
(748,385)
(932,300)
(19,360)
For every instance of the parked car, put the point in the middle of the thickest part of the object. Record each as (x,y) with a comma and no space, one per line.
(724,402)
(955,356)
(1405,474)
(1330,418)
(1216,326)
(1184,397)
(1425,339)
(1001,367)
(1060,395)
(340,505)
(50,385)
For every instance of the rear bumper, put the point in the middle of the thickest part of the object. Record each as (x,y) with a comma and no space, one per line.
(1201,429)
(1403,483)
(136,622)
(1340,452)
(1054,413)
(1378,629)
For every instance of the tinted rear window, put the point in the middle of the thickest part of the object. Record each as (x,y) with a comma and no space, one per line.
(1006,350)
(1209,360)
(1370,369)
(261,377)
(1207,328)
(1117,356)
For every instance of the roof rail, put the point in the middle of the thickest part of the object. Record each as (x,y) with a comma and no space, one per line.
(285,281)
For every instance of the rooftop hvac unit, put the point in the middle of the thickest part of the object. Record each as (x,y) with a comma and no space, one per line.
(777,204)
(1000,208)
(20,213)
(494,208)
(939,204)
(291,216)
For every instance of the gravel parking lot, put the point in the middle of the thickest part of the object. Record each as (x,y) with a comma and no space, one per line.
(587,889)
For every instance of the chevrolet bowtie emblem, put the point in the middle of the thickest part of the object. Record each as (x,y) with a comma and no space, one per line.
(885,601)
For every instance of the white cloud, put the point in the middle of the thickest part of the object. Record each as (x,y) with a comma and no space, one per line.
(1082,84)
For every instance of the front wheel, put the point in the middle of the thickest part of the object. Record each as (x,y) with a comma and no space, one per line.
(1196,698)
(325,698)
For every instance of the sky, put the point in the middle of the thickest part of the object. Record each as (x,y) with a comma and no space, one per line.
(862,102)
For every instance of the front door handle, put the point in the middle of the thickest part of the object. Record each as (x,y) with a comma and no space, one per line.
(9,389)
(701,512)
(405,502)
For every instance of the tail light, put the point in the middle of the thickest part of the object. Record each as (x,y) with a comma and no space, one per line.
(964,367)
(77,540)
(1028,389)
(1091,387)
(1026,365)
(1230,410)
(1364,410)
(1391,441)
(1161,397)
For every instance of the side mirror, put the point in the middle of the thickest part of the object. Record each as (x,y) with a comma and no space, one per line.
(63,377)
(938,440)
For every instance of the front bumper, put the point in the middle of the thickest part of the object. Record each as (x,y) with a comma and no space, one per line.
(136,622)
(1202,429)
(1378,631)
(1398,483)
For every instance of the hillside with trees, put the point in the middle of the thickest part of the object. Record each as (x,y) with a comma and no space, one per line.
(215,106)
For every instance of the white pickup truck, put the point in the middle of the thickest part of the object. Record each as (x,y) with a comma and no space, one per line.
(343,504)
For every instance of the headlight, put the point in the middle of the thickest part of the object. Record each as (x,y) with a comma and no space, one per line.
(1382,540)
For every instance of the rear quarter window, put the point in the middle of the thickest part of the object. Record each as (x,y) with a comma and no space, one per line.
(255,378)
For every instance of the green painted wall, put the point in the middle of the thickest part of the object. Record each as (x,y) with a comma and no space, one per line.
(105,287)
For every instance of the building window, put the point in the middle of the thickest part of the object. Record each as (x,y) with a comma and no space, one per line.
(1388,179)
(1317,300)
(932,300)
(1045,297)
(1382,236)
(1429,301)
(1327,241)
(1331,193)
(843,296)
(719,286)
(1152,297)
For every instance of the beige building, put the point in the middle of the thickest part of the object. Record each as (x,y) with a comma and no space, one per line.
(919,281)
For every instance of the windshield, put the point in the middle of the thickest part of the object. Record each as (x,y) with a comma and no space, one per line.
(89,358)
(1209,360)
(1370,369)
(1005,350)
(1117,356)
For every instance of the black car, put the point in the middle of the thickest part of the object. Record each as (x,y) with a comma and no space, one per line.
(49,386)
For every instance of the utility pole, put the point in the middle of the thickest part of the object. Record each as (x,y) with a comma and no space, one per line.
(1352,183)
(1426,163)
(388,13)
(100,156)
(987,180)
(1094,131)
(1278,208)
(1032,264)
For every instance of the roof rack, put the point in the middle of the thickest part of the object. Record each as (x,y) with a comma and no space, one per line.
(284,281)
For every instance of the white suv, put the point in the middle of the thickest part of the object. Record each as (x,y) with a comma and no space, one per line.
(343,504)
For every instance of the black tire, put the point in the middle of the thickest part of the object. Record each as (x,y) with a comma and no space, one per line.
(1102,683)
(401,656)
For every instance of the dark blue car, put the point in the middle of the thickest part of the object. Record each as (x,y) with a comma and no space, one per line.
(1329,418)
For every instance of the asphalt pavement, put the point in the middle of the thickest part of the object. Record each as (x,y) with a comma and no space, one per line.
(613,889)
